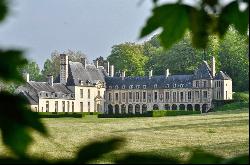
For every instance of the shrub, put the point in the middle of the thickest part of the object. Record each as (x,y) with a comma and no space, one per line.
(233,106)
(241,97)
(59,114)
(160,113)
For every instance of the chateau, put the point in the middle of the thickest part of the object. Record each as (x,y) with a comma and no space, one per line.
(82,87)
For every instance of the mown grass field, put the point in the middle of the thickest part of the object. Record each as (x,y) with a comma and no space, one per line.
(224,133)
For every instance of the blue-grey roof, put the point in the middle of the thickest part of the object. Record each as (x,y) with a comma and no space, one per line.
(172,81)
(222,76)
(203,72)
(78,73)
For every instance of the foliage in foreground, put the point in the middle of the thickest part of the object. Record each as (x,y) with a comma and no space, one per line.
(16,118)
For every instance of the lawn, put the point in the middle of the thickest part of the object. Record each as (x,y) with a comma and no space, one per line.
(224,133)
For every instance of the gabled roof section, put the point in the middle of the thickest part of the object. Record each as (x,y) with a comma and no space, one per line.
(32,98)
(78,73)
(222,76)
(203,71)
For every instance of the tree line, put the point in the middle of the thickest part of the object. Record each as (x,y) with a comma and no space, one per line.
(231,54)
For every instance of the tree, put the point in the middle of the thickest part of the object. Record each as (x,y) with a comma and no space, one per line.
(33,69)
(128,57)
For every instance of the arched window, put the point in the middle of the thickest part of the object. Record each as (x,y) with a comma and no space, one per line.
(155,107)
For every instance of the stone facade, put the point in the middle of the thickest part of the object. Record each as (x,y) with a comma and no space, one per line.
(81,87)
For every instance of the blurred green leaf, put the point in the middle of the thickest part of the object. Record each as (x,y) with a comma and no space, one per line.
(135,158)
(231,14)
(3,9)
(96,149)
(10,60)
(199,22)
(172,18)
(202,157)
(15,118)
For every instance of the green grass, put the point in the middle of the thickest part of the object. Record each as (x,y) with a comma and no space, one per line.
(224,133)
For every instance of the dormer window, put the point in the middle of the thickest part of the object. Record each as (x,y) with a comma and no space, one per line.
(167,86)
(144,86)
(123,87)
(116,87)
(181,86)
(110,87)
(47,95)
(155,86)
(138,86)
(174,85)
(131,87)
(81,82)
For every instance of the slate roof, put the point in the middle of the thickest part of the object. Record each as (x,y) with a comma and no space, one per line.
(222,76)
(32,98)
(172,81)
(203,72)
(78,73)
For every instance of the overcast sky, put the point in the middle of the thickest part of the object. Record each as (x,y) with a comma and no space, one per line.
(91,26)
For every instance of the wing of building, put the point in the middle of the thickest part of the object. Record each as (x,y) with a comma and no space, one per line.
(82,87)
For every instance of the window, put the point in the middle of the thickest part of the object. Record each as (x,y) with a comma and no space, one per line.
(110,96)
(226,94)
(55,95)
(47,106)
(137,95)
(88,106)
(182,96)
(56,106)
(197,84)
(123,87)
(130,95)
(174,96)
(167,86)
(144,86)
(167,95)
(116,96)
(81,93)
(68,106)
(197,94)
(123,96)
(204,94)
(46,94)
(81,106)
(204,84)
(155,86)
(181,86)
(110,87)
(144,95)
(88,93)
(189,95)
(155,96)
(99,94)
(174,85)
(63,106)
(138,86)
(73,106)
(116,87)
(131,86)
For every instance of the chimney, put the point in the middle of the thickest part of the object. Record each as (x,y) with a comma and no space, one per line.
(108,68)
(112,71)
(84,62)
(50,80)
(123,75)
(213,66)
(167,73)
(150,74)
(27,77)
(97,63)
(64,64)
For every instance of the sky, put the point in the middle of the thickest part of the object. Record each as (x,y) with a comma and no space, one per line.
(91,26)
(40,27)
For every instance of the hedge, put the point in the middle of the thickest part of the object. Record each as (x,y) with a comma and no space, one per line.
(232,106)
(59,114)
(241,97)
(155,113)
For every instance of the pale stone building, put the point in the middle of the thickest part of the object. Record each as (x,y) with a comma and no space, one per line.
(81,87)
